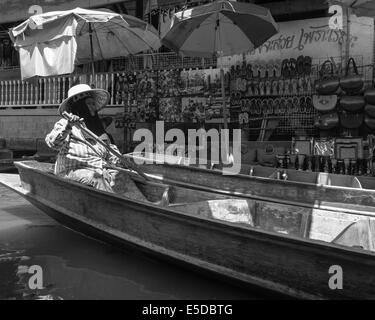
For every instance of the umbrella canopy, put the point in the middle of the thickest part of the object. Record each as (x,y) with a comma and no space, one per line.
(222,27)
(51,43)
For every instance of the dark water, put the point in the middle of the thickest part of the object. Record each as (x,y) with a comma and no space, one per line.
(77,267)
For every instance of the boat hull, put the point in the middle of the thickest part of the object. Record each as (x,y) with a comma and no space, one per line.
(284,264)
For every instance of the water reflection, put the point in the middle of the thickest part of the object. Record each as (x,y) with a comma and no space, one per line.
(77,267)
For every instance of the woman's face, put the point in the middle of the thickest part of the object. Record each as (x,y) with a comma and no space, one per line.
(90,103)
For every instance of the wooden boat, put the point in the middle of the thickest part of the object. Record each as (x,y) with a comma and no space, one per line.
(7,165)
(285,248)
(302,187)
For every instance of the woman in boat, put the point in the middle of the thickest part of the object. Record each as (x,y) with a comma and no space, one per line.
(81,158)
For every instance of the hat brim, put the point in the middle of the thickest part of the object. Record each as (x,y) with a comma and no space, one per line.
(100,96)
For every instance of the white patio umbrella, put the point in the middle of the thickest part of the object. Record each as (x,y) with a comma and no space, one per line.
(220,28)
(52,43)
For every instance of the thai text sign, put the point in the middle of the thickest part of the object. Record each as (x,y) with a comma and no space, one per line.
(314,38)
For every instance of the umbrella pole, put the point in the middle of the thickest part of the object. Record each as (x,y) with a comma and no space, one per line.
(225,111)
(225,151)
(92,53)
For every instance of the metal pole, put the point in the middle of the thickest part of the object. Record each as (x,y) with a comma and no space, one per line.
(225,112)
(92,52)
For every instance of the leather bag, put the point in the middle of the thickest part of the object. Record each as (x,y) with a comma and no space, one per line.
(370,96)
(327,121)
(351,83)
(328,82)
(370,122)
(352,103)
(370,110)
(351,120)
(324,103)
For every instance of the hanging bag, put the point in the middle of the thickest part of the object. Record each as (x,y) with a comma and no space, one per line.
(351,120)
(324,103)
(370,122)
(328,82)
(370,96)
(370,110)
(352,82)
(352,103)
(327,121)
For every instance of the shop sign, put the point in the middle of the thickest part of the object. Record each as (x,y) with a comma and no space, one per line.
(314,38)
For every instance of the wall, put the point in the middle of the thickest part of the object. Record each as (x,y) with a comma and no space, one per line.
(313,37)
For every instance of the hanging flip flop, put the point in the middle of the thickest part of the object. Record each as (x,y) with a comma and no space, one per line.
(262,70)
(277,68)
(307,65)
(301,65)
(301,89)
(287,87)
(276,106)
(289,105)
(296,105)
(302,105)
(281,87)
(262,88)
(274,90)
(256,87)
(271,109)
(253,106)
(247,105)
(268,88)
(249,72)
(283,107)
(294,86)
(243,69)
(293,68)
(285,70)
(249,91)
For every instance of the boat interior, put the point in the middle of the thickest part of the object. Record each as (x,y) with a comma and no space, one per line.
(330,226)
(314,178)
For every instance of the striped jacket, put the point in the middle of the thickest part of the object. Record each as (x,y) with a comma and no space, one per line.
(74,153)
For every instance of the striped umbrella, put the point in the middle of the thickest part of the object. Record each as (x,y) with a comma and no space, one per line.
(220,28)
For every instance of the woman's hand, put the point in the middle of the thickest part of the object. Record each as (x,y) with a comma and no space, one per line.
(72,119)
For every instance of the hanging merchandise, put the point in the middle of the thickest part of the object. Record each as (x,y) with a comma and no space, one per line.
(370,122)
(165,22)
(327,121)
(324,103)
(352,103)
(328,83)
(370,110)
(351,120)
(352,82)
(370,96)
(170,109)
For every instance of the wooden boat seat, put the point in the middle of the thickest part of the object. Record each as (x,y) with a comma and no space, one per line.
(338,180)
(359,234)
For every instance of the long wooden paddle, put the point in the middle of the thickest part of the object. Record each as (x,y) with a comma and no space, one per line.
(124,161)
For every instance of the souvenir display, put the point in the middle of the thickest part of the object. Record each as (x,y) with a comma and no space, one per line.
(170,109)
